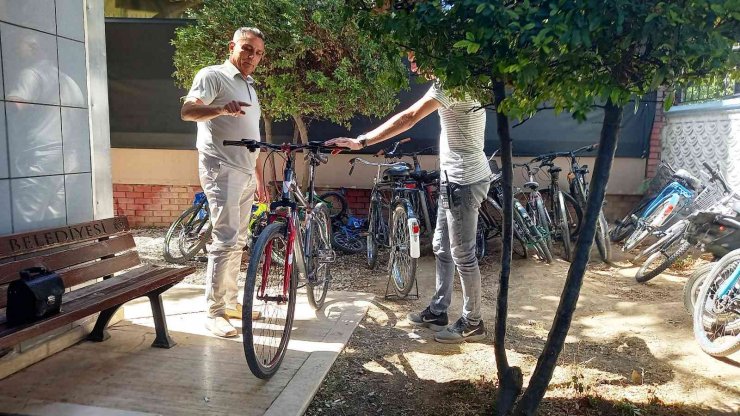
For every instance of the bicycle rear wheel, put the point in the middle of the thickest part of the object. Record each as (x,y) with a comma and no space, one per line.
(336,202)
(187,235)
(402,266)
(318,256)
(265,291)
(573,211)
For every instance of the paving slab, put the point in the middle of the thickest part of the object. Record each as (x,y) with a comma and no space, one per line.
(202,374)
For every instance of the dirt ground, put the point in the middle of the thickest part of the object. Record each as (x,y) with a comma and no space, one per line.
(630,349)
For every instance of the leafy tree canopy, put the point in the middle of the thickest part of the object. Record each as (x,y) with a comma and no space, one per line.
(317,63)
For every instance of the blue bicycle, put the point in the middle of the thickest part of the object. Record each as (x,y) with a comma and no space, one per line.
(654,215)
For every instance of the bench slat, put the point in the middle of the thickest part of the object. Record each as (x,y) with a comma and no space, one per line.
(67,258)
(78,275)
(34,241)
(95,298)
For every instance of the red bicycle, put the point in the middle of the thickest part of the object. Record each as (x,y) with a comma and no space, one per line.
(295,245)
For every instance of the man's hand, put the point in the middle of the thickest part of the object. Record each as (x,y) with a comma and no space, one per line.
(234,108)
(349,143)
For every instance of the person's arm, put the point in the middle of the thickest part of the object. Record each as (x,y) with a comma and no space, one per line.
(396,125)
(193,109)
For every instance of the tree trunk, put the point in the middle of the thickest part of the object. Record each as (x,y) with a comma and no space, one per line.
(303,130)
(268,128)
(569,298)
(510,379)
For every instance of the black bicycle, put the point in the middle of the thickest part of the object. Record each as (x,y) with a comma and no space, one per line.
(563,210)
(393,220)
(579,191)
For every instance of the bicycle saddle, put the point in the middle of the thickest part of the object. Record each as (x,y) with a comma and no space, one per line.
(396,172)
(692,181)
(426,177)
(532,185)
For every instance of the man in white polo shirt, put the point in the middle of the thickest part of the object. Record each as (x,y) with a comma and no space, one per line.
(224,103)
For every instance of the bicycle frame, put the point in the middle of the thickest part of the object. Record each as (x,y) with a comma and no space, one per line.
(673,192)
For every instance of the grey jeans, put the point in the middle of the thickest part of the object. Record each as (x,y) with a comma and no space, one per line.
(454,248)
(230,194)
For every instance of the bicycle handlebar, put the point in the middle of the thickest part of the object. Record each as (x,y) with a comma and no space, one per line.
(717,176)
(369,163)
(253,145)
(394,147)
(572,153)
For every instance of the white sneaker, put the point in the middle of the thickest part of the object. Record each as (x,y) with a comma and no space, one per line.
(221,327)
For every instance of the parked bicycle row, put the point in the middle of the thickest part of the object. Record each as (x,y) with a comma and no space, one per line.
(683,215)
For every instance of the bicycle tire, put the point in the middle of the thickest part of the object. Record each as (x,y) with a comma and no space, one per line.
(704,319)
(184,253)
(602,238)
(336,203)
(643,275)
(403,280)
(480,241)
(693,285)
(533,237)
(318,237)
(623,228)
(562,224)
(640,230)
(348,242)
(574,213)
(372,238)
(261,367)
(544,224)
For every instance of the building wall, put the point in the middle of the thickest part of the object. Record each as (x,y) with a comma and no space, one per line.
(153,186)
(708,132)
(47,168)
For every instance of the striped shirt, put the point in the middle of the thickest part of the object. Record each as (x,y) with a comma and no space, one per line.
(461,155)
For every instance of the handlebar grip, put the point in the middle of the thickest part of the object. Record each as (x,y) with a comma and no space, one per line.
(593,146)
(233,143)
(406,140)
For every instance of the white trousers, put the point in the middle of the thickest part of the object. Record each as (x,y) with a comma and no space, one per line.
(230,194)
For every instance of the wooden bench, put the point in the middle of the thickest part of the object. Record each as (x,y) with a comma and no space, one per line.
(82,254)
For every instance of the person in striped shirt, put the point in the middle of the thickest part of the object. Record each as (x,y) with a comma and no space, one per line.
(465,173)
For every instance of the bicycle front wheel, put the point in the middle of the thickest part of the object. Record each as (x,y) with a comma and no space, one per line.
(602,239)
(187,235)
(402,266)
(318,256)
(374,228)
(561,220)
(716,318)
(270,290)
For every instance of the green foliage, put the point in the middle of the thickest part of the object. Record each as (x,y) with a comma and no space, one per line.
(568,53)
(318,62)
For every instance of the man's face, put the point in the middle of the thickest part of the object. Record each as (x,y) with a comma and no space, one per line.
(246,53)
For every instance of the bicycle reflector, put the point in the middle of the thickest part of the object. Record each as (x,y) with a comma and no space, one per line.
(414,231)
(409,185)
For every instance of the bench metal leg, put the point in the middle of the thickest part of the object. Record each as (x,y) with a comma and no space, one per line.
(99,333)
(163,339)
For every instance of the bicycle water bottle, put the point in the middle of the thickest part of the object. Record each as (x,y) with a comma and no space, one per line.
(414,230)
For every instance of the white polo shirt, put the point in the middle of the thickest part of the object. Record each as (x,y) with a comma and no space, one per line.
(217,85)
